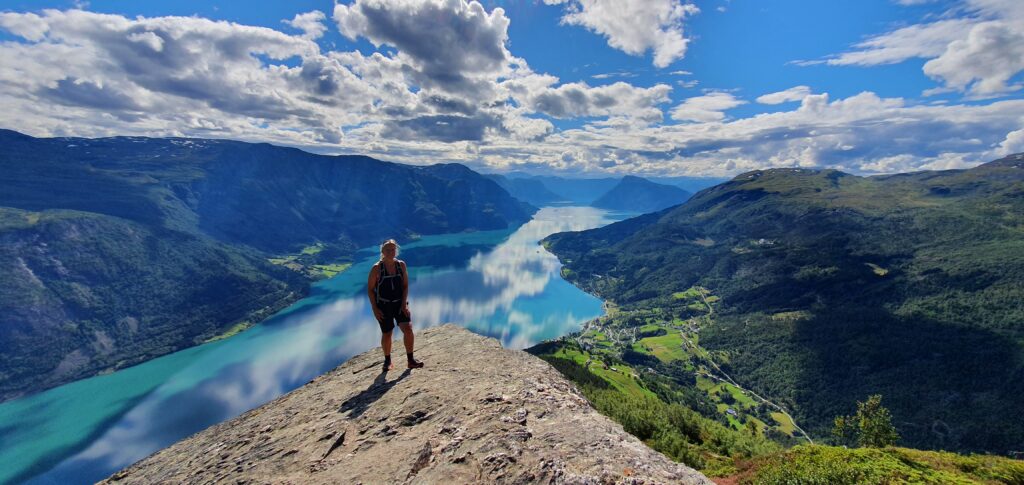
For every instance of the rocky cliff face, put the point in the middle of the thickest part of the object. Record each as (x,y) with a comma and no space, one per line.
(477,413)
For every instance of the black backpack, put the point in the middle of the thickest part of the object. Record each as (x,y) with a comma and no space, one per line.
(390,292)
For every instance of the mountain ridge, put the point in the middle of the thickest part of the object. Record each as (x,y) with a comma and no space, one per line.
(126,248)
(826,279)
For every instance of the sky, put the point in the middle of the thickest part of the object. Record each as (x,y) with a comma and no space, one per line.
(569,87)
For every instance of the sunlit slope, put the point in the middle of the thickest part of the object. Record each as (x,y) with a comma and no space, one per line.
(834,287)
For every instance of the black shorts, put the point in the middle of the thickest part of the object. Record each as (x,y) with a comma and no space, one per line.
(392,313)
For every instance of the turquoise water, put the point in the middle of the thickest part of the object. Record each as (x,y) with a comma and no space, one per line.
(496,283)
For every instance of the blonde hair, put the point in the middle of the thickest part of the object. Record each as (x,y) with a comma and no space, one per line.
(388,243)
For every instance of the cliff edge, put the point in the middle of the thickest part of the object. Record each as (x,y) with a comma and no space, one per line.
(477,413)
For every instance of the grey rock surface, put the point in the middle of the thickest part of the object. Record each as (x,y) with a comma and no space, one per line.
(477,413)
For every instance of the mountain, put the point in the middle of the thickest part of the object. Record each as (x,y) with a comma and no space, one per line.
(578,191)
(118,250)
(528,190)
(637,194)
(477,413)
(830,287)
(689,184)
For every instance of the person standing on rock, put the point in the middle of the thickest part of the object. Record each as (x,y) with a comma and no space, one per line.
(388,290)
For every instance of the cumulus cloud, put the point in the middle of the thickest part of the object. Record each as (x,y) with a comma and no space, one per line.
(310,23)
(449,44)
(444,128)
(1013,143)
(87,74)
(795,93)
(977,51)
(984,61)
(572,100)
(708,107)
(160,71)
(634,26)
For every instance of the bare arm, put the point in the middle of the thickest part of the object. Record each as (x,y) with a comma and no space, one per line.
(371,282)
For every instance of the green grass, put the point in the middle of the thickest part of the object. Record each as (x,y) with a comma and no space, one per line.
(332,270)
(741,398)
(785,424)
(231,332)
(650,327)
(816,464)
(667,347)
(878,270)
(689,294)
(791,316)
(620,378)
(670,428)
(314,249)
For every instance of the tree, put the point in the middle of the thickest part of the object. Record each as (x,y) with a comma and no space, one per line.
(752,427)
(871,426)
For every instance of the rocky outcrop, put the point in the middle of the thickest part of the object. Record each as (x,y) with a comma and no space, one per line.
(477,413)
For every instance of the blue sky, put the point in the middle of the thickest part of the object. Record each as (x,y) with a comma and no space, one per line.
(655,87)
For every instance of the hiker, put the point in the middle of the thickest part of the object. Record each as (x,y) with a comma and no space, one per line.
(388,290)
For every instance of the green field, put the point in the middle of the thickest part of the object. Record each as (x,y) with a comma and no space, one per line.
(785,424)
(620,378)
(666,348)
(314,249)
(332,270)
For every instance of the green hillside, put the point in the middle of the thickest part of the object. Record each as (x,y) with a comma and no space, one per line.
(117,250)
(807,464)
(832,287)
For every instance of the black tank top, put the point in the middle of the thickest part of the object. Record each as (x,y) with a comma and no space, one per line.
(389,286)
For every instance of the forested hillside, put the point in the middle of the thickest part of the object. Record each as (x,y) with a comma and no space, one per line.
(117,250)
(830,287)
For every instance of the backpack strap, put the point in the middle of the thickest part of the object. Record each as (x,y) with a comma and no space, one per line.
(382,272)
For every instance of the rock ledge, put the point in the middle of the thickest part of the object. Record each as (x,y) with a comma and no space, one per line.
(477,413)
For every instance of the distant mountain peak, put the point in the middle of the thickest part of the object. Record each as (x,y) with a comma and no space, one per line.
(638,194)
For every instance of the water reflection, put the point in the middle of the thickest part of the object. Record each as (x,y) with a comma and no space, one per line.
(498,283)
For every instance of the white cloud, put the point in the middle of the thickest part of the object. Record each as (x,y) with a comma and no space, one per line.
(162,71)
(87,74)
(578,99)
(310,23)
(921,40)
(449,44)
(634,26)
(708,107)
(796,93)
(984,61)
(1013,143)
(977,51)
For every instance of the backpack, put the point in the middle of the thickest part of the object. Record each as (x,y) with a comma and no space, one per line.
(390,291)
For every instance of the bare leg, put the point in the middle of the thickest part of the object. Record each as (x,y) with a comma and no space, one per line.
(407,336)
(385,343)
(409,340)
